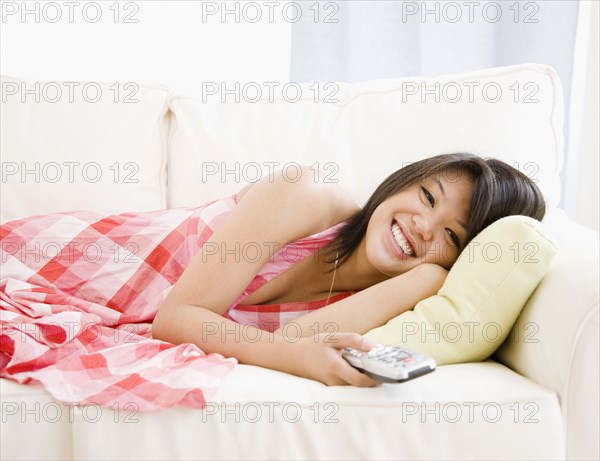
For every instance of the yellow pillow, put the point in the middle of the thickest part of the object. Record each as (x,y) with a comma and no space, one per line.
(481,298)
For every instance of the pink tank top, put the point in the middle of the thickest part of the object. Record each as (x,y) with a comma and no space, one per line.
(267,317)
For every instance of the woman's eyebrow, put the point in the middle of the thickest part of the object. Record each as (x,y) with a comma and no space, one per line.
(439,183)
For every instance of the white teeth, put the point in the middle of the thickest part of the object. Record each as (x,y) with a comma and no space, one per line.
(401,240)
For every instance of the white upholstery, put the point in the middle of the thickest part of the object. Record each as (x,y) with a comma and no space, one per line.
(458,412)
(543,381)
(376,128)
(79,154)
(555,342)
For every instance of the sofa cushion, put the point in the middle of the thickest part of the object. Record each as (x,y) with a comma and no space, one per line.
(480,300)
(511,113)
(264,414)
(82,145)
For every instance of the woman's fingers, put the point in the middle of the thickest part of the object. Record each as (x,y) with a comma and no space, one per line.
(344,370)
(320,358)
(354,377)
(354,340)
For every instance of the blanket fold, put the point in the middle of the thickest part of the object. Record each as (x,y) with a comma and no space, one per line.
(78,293)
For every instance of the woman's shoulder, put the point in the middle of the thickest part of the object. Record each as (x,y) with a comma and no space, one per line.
(306,195)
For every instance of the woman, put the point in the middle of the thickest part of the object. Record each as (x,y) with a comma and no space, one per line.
(369,264)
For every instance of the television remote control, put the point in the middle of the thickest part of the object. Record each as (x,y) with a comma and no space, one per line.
(390,364)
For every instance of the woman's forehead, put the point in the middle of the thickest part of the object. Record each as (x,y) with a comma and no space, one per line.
(451,176)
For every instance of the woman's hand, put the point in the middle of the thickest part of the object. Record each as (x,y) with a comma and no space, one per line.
(319,357)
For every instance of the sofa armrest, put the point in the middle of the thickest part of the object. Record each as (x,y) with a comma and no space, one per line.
(555,339)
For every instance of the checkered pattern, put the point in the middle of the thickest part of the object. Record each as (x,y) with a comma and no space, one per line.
(270,317)
(79,290)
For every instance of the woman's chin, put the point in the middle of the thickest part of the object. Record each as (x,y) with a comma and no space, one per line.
(390,265)
(384,260)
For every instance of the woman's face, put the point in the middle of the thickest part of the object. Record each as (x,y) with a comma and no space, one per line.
(425,223)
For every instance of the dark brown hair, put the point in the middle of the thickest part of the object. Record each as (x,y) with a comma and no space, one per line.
(499,190)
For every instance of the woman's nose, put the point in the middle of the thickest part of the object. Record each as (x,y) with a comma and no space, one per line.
(422,227)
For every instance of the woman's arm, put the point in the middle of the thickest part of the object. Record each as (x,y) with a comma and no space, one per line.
(315,355)
(373,306)
(317,358)
(271,214)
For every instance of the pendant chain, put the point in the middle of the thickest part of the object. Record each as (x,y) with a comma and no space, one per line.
(333,279)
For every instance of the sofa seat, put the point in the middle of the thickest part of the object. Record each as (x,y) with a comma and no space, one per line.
(466,411)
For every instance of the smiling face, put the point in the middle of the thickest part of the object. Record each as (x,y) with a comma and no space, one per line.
(424,223)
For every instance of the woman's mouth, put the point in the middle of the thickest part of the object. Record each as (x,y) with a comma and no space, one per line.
(401,241)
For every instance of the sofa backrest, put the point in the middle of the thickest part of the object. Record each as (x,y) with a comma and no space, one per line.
(130,147)
(82,145)
(511,113)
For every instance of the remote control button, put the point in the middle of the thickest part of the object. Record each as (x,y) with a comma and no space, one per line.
(353,352)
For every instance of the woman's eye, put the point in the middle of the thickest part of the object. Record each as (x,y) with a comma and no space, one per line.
(428,196)
(453,237)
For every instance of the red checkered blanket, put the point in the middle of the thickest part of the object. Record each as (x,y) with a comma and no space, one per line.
(78,292)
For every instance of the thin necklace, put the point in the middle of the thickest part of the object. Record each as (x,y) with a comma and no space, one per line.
(337,255)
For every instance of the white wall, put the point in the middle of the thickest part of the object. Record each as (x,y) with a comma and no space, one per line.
(171,43)
(588,192)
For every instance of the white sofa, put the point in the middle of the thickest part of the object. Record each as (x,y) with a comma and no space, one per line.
(535,398)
